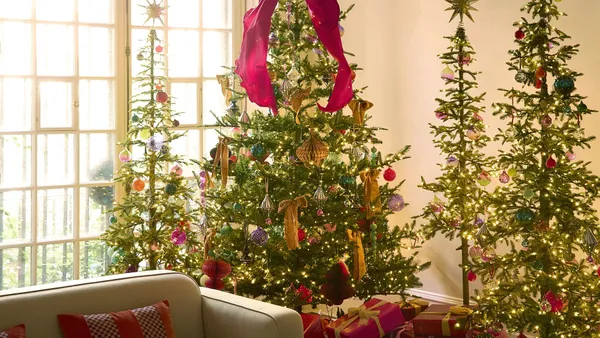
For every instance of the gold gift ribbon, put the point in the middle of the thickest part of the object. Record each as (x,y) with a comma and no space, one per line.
(363,315)
(359,108)
(224,82)
(297,99)
(369,178)
(360,268)
(454,310)
(222,156)
(291,220)
(417,304)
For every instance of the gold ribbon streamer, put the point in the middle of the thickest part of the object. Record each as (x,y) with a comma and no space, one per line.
(297,99)
(224,82)
(454,310)
(369,178)
(291,220)
(208,242)
(222,156)
(360,268)
(417,304)
(363,315)
(359,108)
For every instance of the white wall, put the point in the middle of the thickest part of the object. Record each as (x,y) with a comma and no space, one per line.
(396,42)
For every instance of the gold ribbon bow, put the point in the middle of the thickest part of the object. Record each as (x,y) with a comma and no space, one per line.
(369,178)
(417,304)
(360,268)
(224,82)
(363,314)
(359,108)
(222,157)
(291,220)
(454,310)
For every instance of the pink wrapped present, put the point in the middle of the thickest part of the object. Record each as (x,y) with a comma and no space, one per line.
(373,319)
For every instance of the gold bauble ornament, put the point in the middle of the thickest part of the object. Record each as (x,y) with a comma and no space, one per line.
(312,151)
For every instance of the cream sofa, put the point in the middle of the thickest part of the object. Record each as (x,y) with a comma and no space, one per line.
(196,312)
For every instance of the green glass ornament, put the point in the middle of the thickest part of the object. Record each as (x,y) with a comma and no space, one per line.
(537,265)
(237,207)
(226,229)
(113,219)
(525,215)
(582,107)
(171,189)
(347,181)
(525,243)
(373,226)
(135,118)
(118,256)
(528,194)
(512,172)
(258,150)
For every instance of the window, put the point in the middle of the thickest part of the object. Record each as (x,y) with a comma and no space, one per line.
(64,78)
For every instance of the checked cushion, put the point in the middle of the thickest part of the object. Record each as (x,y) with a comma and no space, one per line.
(152,321)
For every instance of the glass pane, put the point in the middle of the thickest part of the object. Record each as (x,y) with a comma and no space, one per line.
(15,171)
(184,53)
(96,11)
(184,13)
(55,159)
(210,138)
(15,111)
(54,263)
(185,102)
(54,49)
(93,258)
(15,51)
(96,157)
(15,268)
(55,10)
(216,13)
(139,40)
(95,201)
(12,9)
(15,216)
(216,53)
(97,104)
(187,146)
(96,51)
(139,16)
(56,104)
(212,101)
(55,214)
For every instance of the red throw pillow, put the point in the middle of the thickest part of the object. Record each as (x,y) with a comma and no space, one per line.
(14,332)
(145,322)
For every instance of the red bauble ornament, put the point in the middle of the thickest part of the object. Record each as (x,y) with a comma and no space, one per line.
(379,236)
(301,234)
(598,272)
(216,269)
(550,163)
(540,73)
(162,97)
(216,284)
(159,49)
(138,185)
(521,335)
(471,276)
(519,35)
(233,158)
(389,174)
(538,83)
(343,131)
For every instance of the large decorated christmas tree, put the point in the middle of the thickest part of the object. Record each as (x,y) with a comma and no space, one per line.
(297,198)
(458,208)
(547,281)
(152,226)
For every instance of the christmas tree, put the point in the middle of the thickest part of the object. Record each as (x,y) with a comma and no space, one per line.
(297,205)
(152,226)
(543,284)
(460,213)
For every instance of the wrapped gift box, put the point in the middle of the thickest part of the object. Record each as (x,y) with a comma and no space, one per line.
(441,321)
(313,325)
(373,319)
(412,308)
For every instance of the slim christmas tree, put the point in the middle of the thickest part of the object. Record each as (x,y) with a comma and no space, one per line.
(543,284)
(460,213)
(305,195)
(152,226)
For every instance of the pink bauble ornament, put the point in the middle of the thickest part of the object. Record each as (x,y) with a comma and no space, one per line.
(320,212)
(330,227)
(177,170)
(504,178)
(440,115)
(571,156)
(162,97)
(159,49)
(268,221)
(125,156)
(475,252)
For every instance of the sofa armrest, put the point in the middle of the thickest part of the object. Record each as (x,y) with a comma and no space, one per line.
(228,315)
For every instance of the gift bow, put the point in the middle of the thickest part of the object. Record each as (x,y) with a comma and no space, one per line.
(222,156)
(251,66)
(417,304)
(369,178)
(408,327)
(359,108)
(363,314)
(454,310)
(360,268)
(291,220)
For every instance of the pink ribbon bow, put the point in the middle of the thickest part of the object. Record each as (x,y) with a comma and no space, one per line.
(251,66)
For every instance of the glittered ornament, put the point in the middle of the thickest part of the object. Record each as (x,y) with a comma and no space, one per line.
(301,234)
(177,170)
(396,203)
(436,205)
(155,142)
(162,97)
(294,75)
(452,162)
(389,174)
(525,215)
(259,236)
(347,181)
(113,219)
(550,163)
(565,85)
(471,276)
(465,59)
(447,74)
(440,115)
(138,185)
(473,134)
(358,154)
(312,151)
(519,34)
(267,205)
(540,72)
(159,49)
(171,189)
(521,77)
(484,179)
(178,236)
(488,255)
(258,151)
(571,156)
(546,121)
(125,156)
(504,178)
(475,252)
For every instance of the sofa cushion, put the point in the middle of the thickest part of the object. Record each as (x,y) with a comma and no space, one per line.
(14,332)
(149,321)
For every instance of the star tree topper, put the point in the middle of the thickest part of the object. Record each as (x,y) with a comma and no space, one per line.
(154,11)
(461,8)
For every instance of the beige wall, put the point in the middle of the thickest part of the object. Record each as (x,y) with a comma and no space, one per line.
(396,42)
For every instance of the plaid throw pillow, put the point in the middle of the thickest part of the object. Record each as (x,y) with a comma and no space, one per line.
(152,321)
(14,332)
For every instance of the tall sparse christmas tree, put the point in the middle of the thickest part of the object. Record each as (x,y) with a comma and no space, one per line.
(152,227)
(303,218)
(458,208)
(544,284)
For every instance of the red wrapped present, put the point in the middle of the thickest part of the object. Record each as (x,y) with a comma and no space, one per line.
(412,308)
(373,319)
(313,325)
(443,321)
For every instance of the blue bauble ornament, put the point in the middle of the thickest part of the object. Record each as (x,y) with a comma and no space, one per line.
(258,150)
(259,236)
(525,215)
(564,85)
(347,181)
(237,207)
